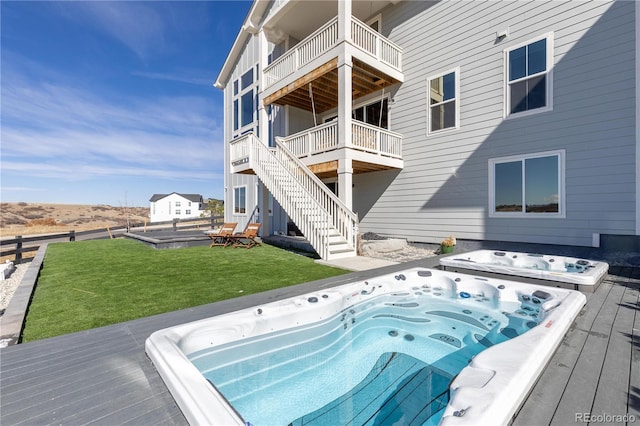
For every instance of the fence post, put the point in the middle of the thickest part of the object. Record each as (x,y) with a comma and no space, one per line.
(175,225)
(72,235)
(18,258)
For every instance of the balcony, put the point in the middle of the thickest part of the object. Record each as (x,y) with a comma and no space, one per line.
(372,149)
(377,63)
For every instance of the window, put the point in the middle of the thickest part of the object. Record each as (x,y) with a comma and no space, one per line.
(529,77)
(375,113)
(187,212)
(245,102)
(531,185)
(177,212)
(177,203)
(443,101)
(239,200)
(246,79)
(246,108)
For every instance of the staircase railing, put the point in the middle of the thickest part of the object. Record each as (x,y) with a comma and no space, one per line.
(307,201)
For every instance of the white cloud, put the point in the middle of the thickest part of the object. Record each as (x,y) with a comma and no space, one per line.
(55,124)
(136,25)
(184,77)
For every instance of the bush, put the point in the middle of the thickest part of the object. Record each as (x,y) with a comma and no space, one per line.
(42,222)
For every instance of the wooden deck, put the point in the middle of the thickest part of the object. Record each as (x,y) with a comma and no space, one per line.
(103,376)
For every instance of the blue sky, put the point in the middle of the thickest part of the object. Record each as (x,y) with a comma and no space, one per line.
(111,102)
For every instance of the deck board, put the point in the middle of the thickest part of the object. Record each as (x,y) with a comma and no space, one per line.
(580,391)
(613,386)
(103,376)
(553,381)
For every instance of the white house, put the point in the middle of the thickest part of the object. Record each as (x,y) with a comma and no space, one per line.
(500,121)
(166,207)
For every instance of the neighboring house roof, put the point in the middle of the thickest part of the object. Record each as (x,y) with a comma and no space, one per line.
(197,198)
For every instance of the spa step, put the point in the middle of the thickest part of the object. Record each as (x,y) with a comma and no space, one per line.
(398,387)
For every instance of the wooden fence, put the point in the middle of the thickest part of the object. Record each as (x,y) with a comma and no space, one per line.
(25,245)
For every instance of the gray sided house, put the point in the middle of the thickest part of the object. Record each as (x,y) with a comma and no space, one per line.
(500,121)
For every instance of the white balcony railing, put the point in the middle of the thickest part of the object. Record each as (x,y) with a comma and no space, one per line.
(324,39)
(364,137)
(373,42)
(313,141)
(376,140)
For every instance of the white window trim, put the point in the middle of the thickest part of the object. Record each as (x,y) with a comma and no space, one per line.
(456,71)
(253,87)
(233,197)
(550,67)
(561,154)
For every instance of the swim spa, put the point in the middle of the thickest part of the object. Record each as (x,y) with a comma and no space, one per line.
(427,345)
(558,271)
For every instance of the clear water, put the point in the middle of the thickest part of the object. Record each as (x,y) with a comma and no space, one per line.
(383,361)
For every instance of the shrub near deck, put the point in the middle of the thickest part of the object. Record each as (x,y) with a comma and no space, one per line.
(89,284)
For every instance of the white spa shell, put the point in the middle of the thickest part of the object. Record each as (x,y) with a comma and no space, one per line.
(560,269)
(488,391)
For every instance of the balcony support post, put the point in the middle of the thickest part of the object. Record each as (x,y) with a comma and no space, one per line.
(345,181)
(264,122)
(345,71)
(344,20)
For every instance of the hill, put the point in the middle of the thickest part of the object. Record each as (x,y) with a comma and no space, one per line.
(43,218)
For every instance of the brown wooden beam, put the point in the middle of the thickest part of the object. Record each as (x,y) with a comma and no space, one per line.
(302,82)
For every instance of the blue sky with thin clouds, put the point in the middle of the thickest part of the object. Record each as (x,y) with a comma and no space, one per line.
(111,102)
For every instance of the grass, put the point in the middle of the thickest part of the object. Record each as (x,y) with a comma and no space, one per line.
(89,284)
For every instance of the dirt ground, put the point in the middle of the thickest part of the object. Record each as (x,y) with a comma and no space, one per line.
(43,218)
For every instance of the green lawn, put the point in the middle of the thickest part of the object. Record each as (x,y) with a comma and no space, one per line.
(89,284)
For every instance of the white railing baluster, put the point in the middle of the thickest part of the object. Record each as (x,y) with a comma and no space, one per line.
(306,199)
(324,39)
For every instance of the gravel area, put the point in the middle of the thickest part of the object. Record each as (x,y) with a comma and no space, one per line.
(8,286)
(396,250)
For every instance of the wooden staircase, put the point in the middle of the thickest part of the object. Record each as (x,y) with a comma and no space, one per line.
(329,226)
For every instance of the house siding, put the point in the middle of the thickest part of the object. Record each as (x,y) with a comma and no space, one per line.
(248,59)
(443,188)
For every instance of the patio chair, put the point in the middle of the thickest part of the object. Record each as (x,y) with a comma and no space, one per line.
(222,237)
(247,239)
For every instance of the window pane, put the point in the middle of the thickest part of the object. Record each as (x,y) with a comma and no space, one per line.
(247,79)
(443,88)
(518,94)
(528,94)
(443,116)
(508,187)
(541,184)
(372,115)
(235,87)
(517,63)
(247,108)
(239,200)
(537,96)
(235,115)
(358,114)
(537,57)
(449,86)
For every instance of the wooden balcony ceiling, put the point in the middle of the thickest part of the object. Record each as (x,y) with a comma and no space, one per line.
(324,83)
(329,169)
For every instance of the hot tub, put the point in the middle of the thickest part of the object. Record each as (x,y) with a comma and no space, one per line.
(370,352)
(558,271)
